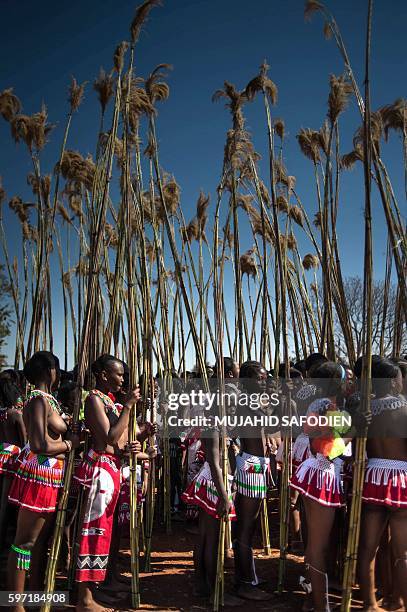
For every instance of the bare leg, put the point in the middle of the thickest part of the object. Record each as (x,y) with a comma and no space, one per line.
(211,549)
(39,554)
(247,512)
(86,603)
(199,557)
(295,522)
(5,508)
(29,525)
(374,521)
(320,520)
(398,531)
(383,569)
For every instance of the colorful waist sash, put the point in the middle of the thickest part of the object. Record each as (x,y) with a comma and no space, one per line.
(202,492)
(251,475)
(37,483)
(8,456)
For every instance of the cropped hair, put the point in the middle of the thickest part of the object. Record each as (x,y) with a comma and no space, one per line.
(40,364)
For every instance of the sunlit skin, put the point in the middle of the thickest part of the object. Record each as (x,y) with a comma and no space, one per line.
(109,434)
(45,429)
(205,561)
(384,442)
(248,508)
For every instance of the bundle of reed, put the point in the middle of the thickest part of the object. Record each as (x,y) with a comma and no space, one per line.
(218,272)
(13,278)
(99,202)
(395,225)
(360,452)
(262,83)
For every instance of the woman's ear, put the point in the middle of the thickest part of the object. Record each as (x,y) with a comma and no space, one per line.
(103,375)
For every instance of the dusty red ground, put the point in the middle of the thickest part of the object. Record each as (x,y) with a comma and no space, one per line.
(170,585)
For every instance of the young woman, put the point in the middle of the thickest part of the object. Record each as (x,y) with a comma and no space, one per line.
(252,474)
(39,476)
(385,489)
(100,474)
(207,491)
(13,437)
(318,479)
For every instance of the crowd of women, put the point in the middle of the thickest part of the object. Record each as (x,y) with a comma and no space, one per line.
(37,433)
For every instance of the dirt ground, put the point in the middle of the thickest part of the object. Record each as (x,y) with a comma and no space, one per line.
(170,585)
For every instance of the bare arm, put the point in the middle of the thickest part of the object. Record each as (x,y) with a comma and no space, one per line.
(98,423)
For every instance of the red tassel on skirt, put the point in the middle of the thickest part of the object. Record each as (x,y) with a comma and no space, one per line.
(101,474)
(320,479)
(203,493)
(385,483)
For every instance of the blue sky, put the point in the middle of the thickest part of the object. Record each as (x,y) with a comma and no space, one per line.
(44,43)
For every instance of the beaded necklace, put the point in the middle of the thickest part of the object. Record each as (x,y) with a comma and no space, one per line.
(108,403)
(55,407)
(383,404)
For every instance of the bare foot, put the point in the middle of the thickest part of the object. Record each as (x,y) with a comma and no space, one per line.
(90,607)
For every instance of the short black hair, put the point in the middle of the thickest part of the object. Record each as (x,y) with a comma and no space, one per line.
(39,364)
(102,363)
(300,365)
(402,364)
(383,371)
(313,360)
(249,369)
(330,378)
(65,391)
(228,363)
(357,368)
(9,392)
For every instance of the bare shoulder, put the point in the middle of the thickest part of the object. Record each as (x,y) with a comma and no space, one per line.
(392,422)
(396,421)
(37,404)
(94,408)
(93,401)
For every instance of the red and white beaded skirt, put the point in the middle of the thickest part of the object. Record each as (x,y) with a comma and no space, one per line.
(385,483)
(320,479)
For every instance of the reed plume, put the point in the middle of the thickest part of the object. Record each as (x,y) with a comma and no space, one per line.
(104,87)
(140,18)
(118,57)
(75,94)
(10,105)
